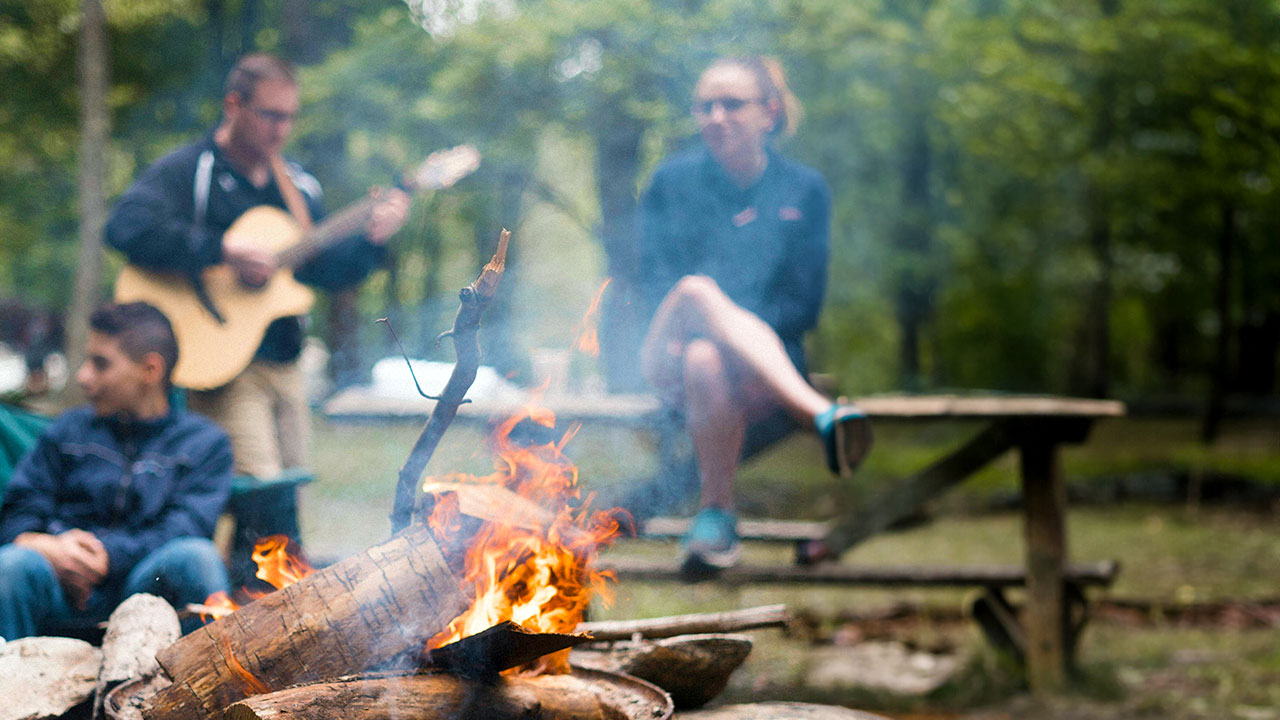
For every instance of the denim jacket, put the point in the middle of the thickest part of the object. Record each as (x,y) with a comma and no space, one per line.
(134,484)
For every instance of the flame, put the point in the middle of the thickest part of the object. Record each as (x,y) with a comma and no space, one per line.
(216,606)
(532,561)
(588,339)
(252,685)
(276,566)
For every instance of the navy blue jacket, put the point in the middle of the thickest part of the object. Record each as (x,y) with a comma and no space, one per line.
(766,246)
(154,225)
(135,485)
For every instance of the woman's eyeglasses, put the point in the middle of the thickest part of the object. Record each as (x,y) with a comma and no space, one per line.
(704,108)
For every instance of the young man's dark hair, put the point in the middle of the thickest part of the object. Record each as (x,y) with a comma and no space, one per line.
(140,329)
(254,68)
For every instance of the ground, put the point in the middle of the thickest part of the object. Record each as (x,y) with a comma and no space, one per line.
(1190,629)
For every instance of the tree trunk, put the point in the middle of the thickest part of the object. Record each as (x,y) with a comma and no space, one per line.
(1222,344)
(622,324)
(95,129)
(916,279)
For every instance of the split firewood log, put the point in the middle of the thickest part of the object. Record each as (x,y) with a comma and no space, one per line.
(366,611)
(44,677)
(694,624)
(437,696)
(137,629)
(694,669)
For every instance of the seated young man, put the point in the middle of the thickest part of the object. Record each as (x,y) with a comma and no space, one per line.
(116,498)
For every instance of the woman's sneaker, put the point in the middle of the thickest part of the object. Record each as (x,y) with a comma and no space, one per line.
(846,437)
(711,545)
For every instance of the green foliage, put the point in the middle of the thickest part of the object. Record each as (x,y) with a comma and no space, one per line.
(995,164)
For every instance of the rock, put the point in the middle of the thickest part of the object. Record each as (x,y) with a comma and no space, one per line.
(886,666)
(692,668)
(44,677)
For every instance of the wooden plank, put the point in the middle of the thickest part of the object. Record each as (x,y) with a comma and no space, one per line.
(764,530)
(1045,499)
(986,406)
(1099,573)
(362,403)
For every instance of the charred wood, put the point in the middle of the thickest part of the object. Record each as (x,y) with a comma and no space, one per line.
(363,612)
(466,343)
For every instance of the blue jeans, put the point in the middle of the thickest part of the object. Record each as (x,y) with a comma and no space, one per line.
(32,602)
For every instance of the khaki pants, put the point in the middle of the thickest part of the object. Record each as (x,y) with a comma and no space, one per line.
(264,410)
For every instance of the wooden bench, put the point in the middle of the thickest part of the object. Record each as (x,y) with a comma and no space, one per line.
(995,614)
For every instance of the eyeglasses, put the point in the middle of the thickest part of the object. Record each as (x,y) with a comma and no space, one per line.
(275,117)
(704,108)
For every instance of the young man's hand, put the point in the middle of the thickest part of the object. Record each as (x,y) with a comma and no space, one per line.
(390,211)
(78,558)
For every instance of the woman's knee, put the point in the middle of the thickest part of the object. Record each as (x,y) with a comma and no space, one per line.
(704,364)
(699,291)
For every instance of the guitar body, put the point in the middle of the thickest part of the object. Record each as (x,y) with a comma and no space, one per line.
(212,353)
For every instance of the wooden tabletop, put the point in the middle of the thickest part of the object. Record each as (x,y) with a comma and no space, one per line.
(361,403)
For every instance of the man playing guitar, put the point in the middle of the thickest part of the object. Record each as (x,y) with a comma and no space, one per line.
(173,219)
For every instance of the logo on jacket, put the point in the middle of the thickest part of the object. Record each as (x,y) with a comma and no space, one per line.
(786,212)
(744,217)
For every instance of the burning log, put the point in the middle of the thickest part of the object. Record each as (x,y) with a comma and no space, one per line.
(466,343)
(697,623)
(436,696)
(363,612)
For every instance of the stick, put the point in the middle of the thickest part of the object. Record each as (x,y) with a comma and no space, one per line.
(664,627)
(466,343)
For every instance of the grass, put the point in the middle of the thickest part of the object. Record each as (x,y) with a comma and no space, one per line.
(1170,553)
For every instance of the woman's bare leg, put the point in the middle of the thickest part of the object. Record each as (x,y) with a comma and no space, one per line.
(716,420)
(697,308)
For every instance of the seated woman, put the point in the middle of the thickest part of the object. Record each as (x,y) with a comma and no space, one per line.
(733,262)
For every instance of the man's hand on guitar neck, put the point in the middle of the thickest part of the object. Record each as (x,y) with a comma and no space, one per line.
(253,266)
(390,211)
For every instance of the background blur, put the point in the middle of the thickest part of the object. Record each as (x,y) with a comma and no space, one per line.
(1073,197)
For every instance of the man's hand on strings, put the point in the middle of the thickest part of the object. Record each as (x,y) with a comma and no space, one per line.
(390,211)
(253,266)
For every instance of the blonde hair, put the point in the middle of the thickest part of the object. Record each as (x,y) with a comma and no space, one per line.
(772,80)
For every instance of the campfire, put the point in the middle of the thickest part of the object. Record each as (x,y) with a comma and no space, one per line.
(532,561)
(468,611)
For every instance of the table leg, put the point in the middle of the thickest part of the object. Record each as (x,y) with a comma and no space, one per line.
(1044,498)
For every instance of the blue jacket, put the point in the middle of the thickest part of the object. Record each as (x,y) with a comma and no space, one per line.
(157,225)
(766,246)
(135,485)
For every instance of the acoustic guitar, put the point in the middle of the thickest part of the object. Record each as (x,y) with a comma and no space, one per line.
(220,322)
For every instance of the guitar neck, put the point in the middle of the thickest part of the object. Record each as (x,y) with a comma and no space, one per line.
(343,224)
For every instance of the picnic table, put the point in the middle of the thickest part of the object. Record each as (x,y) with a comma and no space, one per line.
(1035,426)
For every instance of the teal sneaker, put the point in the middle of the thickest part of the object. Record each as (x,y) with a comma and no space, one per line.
(846,437)
(711,545)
